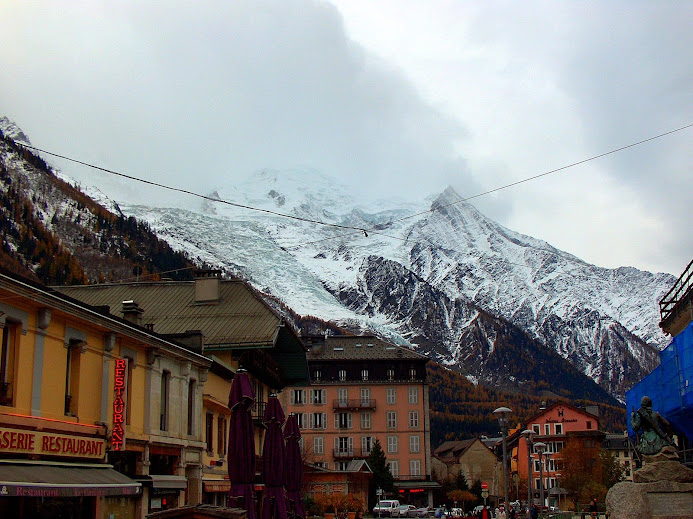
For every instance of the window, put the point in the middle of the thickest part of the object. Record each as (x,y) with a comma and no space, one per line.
(536,466)
(394,468)
(209,433)
(341,465)
(367,443)
(415,468)
(365,420)
(298,397)
(317,375)
(344,446)
(163,413)
(342,375)
(559,446)
(413,418)
(74,352)
(318,396)
(392,444)
(536,428)
(392,419)
(412,373)
(413,395)
(390,374)
(391,395)
(365,396)
(318,420)
(559,428)
(221,435)
(318,445)
(547,428)
(537,482)
(191,407)
(302,419)
(364,374)
(589,424)
(414,443)
(343,397)
(343,420)
(322,464)
(7,357)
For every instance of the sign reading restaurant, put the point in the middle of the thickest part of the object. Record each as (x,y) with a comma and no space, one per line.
(118,435)
(20,441)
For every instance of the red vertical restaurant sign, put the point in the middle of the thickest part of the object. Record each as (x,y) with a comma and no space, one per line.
(118,435)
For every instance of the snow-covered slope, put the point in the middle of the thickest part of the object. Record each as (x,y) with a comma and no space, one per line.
(441,251)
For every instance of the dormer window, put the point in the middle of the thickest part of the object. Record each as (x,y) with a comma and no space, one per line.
(412,373)
(364,374)
(317,375)
(342,375)
(390,374)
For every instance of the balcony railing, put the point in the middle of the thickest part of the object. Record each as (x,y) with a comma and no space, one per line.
(355,403)
(5,393)
(258,410)
(678,295)
(343,453)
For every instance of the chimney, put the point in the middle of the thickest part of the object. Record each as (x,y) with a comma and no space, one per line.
(592,409)
(132,312)
(207,286)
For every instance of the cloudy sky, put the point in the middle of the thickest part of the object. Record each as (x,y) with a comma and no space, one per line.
(394,97)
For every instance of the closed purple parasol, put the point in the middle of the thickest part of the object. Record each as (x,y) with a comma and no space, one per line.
(241,454)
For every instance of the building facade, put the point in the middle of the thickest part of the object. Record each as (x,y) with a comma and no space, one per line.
(229,323)
(471,458)
(94,415)
(362,390)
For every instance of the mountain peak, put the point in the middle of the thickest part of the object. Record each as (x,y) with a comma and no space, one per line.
(13,131)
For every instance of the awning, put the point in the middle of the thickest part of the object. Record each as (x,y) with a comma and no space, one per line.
(163,481)
(42,480)
(216,485)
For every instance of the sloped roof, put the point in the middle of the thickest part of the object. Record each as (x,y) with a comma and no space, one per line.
(453,449)
(238,318)
(363,347)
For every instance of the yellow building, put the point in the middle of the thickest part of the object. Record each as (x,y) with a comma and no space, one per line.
(98,417)
(229,323)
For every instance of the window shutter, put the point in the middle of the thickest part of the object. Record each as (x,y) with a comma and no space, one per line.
(336,421)
(292,398)
(305,419)
(312,399)
(312,424)
(324,420)
(323,396)
(303,396)
(350,421)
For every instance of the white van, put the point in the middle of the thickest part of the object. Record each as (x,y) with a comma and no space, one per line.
(385,508)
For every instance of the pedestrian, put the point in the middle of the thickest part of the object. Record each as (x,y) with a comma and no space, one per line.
(484,514)
(533,512)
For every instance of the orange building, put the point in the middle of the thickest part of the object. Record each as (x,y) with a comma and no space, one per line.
(363,389)
(555,426)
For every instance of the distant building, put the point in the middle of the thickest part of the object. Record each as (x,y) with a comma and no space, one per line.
(363,389)
(472,458)
(621,446)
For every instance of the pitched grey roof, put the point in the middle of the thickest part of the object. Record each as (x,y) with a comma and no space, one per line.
(349,347)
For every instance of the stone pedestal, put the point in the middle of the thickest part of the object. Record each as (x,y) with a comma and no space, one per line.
(661,489)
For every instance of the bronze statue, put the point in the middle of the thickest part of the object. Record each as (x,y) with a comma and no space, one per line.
(654,437)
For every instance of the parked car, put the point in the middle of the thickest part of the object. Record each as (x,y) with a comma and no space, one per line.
(424,512)
(385,508)
(403,511)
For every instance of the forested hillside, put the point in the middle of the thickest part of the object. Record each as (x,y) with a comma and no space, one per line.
(54,233)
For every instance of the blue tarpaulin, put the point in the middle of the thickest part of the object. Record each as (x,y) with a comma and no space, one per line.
(670,385)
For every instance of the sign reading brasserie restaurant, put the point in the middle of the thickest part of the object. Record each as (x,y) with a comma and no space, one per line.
(35,442)
(118,435)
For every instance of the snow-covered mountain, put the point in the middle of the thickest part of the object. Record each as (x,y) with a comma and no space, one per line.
(433,274)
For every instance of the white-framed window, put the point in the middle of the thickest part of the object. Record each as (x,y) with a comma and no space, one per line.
(414,443)
(391,419)
(536,466)
(537,482)
(343,396)
(536,428)
(413,395)
(322,464)
(390,373)
(364,374)
(552,482)
(341,465)
(366,420)
(412,373)
(343,420)
(317,375)
(392,444)
(318,396)
(415,467)
(318,420)
(391,395)
(318,445)
(367,443)
(344,446)
(413,418)
(302,419)
(342,375)
(560,446)
(558,428)
(547,429)
(298,397)
(365,396)
(394,468)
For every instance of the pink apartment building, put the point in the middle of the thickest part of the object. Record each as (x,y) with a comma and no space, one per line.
(363,389)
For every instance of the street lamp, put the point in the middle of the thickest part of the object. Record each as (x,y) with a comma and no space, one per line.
(560,489)
(529,437)
(502,415)
(540,447)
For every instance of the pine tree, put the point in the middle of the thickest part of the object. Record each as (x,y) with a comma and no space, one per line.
(377,461)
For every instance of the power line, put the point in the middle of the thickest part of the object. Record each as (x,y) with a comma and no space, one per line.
(192,193)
